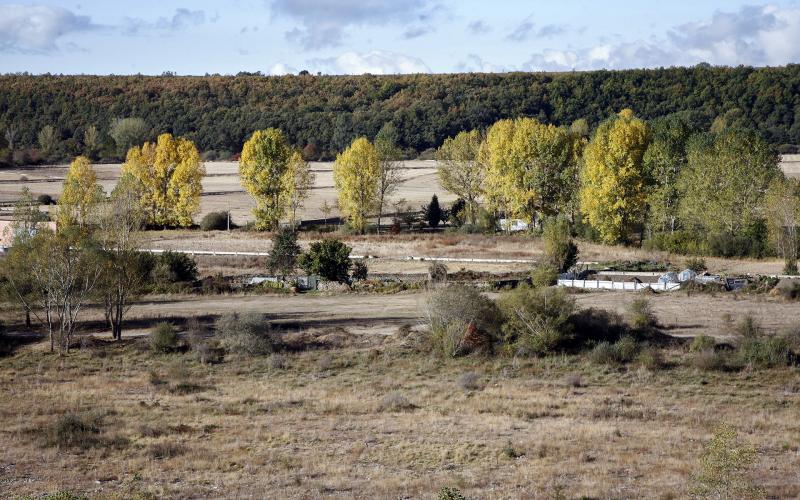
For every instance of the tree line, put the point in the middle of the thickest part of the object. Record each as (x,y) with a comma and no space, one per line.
(50,117)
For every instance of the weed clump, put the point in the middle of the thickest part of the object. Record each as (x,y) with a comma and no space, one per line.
(395,402)
(461,321)
(163,338)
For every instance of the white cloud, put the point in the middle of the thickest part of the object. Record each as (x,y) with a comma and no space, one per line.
(324,22)
(755,35)
(182,19)
(37,28)
(375,62)
(475,64)
(281,69)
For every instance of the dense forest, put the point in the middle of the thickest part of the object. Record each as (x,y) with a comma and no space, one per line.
(324,113)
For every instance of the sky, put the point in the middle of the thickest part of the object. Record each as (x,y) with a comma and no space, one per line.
(391,36)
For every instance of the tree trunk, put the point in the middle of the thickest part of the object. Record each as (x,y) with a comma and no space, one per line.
(27,318)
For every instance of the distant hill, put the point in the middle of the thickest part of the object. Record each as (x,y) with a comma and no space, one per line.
(219,112)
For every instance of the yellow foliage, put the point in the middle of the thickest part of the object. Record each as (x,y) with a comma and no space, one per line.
(302,180)
(266,173)
(81,193)
(613,190)
(169,175)
(356,174)
(529,167)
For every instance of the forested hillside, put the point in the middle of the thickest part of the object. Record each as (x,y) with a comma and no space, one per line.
(220,112)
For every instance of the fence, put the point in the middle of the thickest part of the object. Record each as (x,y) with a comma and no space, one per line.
(618,285)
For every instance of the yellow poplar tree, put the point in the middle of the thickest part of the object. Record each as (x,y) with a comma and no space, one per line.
(459,170)
(266,173)
(356,174)
(529,167)
(81,194)
(169,174)
(613,193)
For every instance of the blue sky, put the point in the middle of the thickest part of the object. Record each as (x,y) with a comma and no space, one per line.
(391,36)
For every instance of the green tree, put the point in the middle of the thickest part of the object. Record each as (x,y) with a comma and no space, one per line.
(128,133)
(459,170)
(91,142)
(433,212)
(48,141)
(560,251)
(329,259)
(664,160)
(285,250)
(613,190)
(266,174)
(724,181)
(302,183)
(356,174)
(125,268)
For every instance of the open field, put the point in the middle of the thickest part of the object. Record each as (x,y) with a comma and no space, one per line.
(222,190)
(362,416)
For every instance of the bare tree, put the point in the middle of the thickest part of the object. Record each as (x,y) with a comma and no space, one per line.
(390,176)
(11,136)
(782,208)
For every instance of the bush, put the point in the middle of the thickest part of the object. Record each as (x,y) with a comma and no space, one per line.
(163,338)
(651,358)
(395,402)
(461,321)
(360,271)
(597,325)
(536,320)
(450,494)
(329,259)
(45,199)
(544,275)
(764,352)
(559,249)
(702,343)
(696,264)
(469,381)
(73,431)
(437,273)
(215,221)
(283,257)
(175,267)
(245,334)
(641,316)
(710,360)
(624,350)
(724,466)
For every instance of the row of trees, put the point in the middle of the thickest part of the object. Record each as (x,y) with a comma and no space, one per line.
(323,115)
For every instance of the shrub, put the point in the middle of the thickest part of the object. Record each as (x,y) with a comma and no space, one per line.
(624,350)
(450,494)
(283,256)
(641,316)
(73,431)
(160,451)
(395,402)
(696,264)
(437,273)
(433,212)
(597,325)
(461,321)
(748,327)
(764,352)
(702,343)
(544,275)
(175,267)
(709,360)
(559,249)
(724,466)
(360,271)
(469,381)
(45,199)
(329,259)
(215,221)
(651,358)
(536,320)
(245,334)
(163,338)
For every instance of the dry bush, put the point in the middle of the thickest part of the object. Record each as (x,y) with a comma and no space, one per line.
(702,343)
(461,321)
(277,361)
(709,360)
(470,381)
(74,431)
(163,338)
(248,334)
(161,451)
(536,320)
(395,402)
(641,316)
